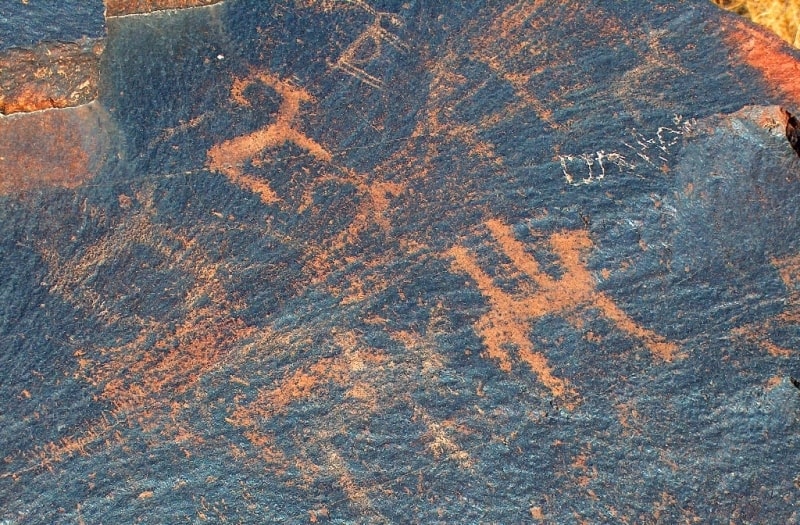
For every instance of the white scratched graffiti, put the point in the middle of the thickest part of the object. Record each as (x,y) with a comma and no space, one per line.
(588,168)
(595,164)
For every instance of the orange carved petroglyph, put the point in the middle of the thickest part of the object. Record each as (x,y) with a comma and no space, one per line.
(511,42)
(171,367)
(769,55)
(306,383)
(509,319)
(355,492)
(789,270)
(502,35)
(423,349)
(356,370)
(369,46)
(229,157)
(634,87)
(500,47)
(370,381)
(372,209)
(436,126)
(439,439)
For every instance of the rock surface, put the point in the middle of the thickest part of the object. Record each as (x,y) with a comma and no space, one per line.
(411,262)
(28,23)
(54,148)
(49,54)
(54,75)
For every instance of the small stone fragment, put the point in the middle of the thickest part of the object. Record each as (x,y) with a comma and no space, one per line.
(792,131)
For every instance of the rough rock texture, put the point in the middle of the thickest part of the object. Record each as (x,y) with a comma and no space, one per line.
(414,262)
(50,75)
(49,54)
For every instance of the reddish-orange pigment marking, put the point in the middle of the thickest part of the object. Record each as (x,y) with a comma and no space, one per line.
(373,208)
(357,370)
(510,318)
(229,158)
(501,46)
(140,379)
(305,383)
(769,55)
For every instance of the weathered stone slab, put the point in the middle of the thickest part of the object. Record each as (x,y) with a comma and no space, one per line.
(29,23)
(354,262)
(49,54)
(62,148)
(50,75)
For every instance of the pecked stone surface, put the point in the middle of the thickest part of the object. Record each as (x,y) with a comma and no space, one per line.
(413,262)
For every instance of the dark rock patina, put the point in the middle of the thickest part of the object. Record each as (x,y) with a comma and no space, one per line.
(412,262)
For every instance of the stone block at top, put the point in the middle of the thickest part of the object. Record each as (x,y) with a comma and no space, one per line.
(28,23)
(49,53)
(131,7)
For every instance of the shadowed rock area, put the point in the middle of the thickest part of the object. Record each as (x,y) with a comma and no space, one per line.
(49,54)
(409,262)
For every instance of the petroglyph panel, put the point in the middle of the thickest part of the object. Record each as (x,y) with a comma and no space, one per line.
(313,288)
(372,205)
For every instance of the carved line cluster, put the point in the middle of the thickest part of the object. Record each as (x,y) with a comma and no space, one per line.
(647,149)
